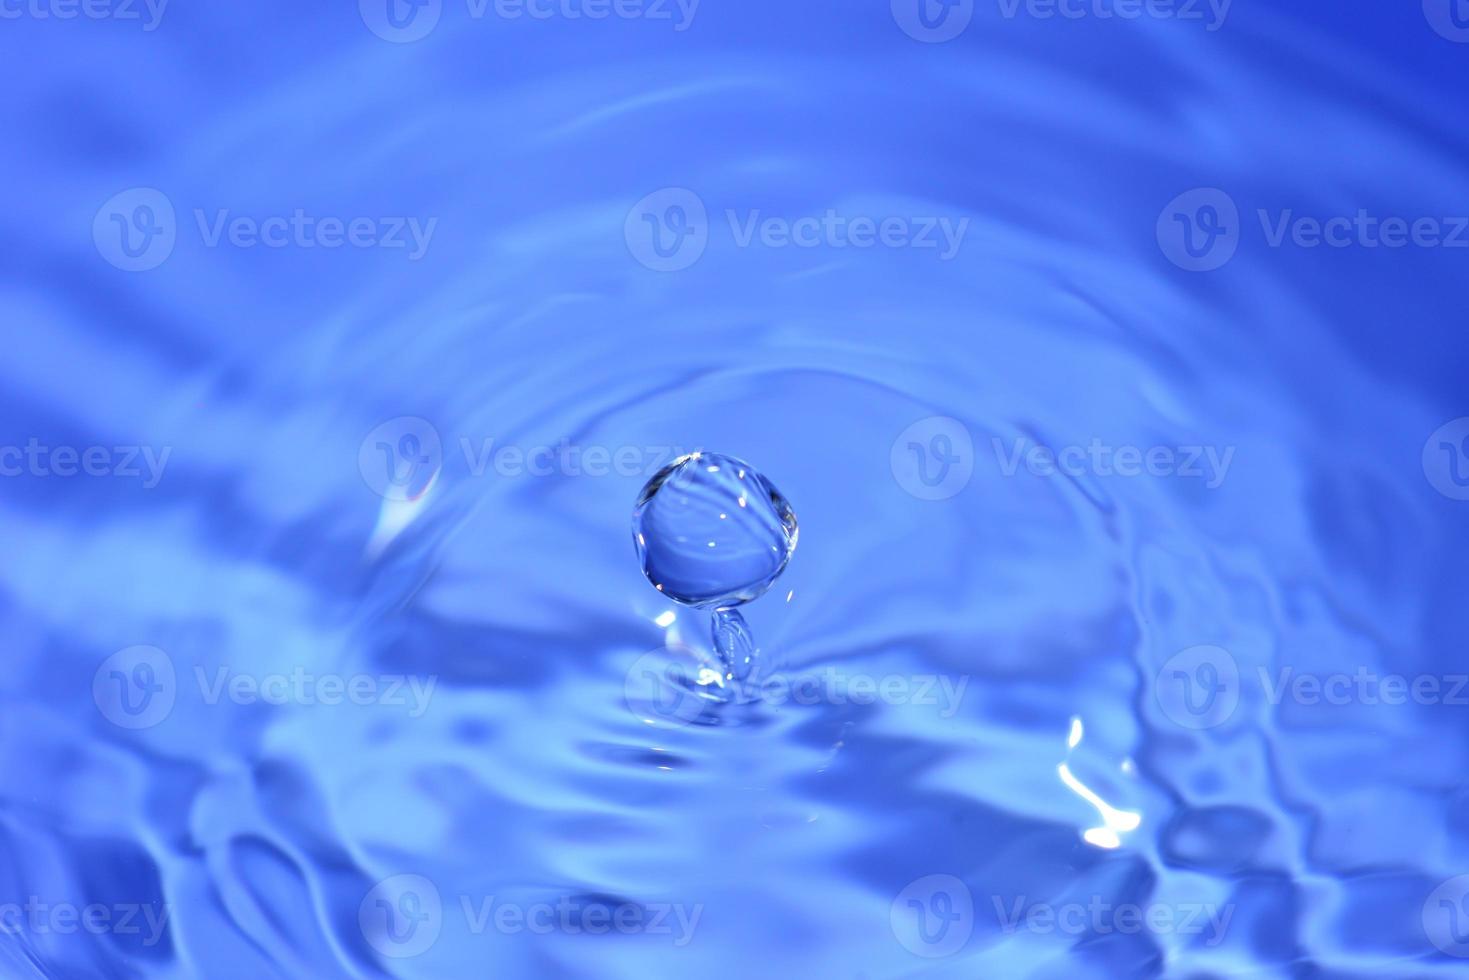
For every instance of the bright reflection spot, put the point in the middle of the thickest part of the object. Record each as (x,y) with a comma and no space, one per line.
(712,468)
(665,619)
(394,517)
(790,594)
(1115,822)
(742,501)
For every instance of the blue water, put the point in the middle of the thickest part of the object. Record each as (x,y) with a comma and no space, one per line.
(1114,364)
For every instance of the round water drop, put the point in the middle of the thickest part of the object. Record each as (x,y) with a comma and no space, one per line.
(712,532)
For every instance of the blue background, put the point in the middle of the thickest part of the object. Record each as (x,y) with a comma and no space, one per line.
(1120,626)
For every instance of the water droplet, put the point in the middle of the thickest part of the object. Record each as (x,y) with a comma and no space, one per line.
(712,532)
(688,502)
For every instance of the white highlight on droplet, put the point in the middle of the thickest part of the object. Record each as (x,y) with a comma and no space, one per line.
(665,619)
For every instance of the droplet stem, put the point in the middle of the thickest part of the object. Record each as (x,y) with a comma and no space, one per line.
(734,644)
